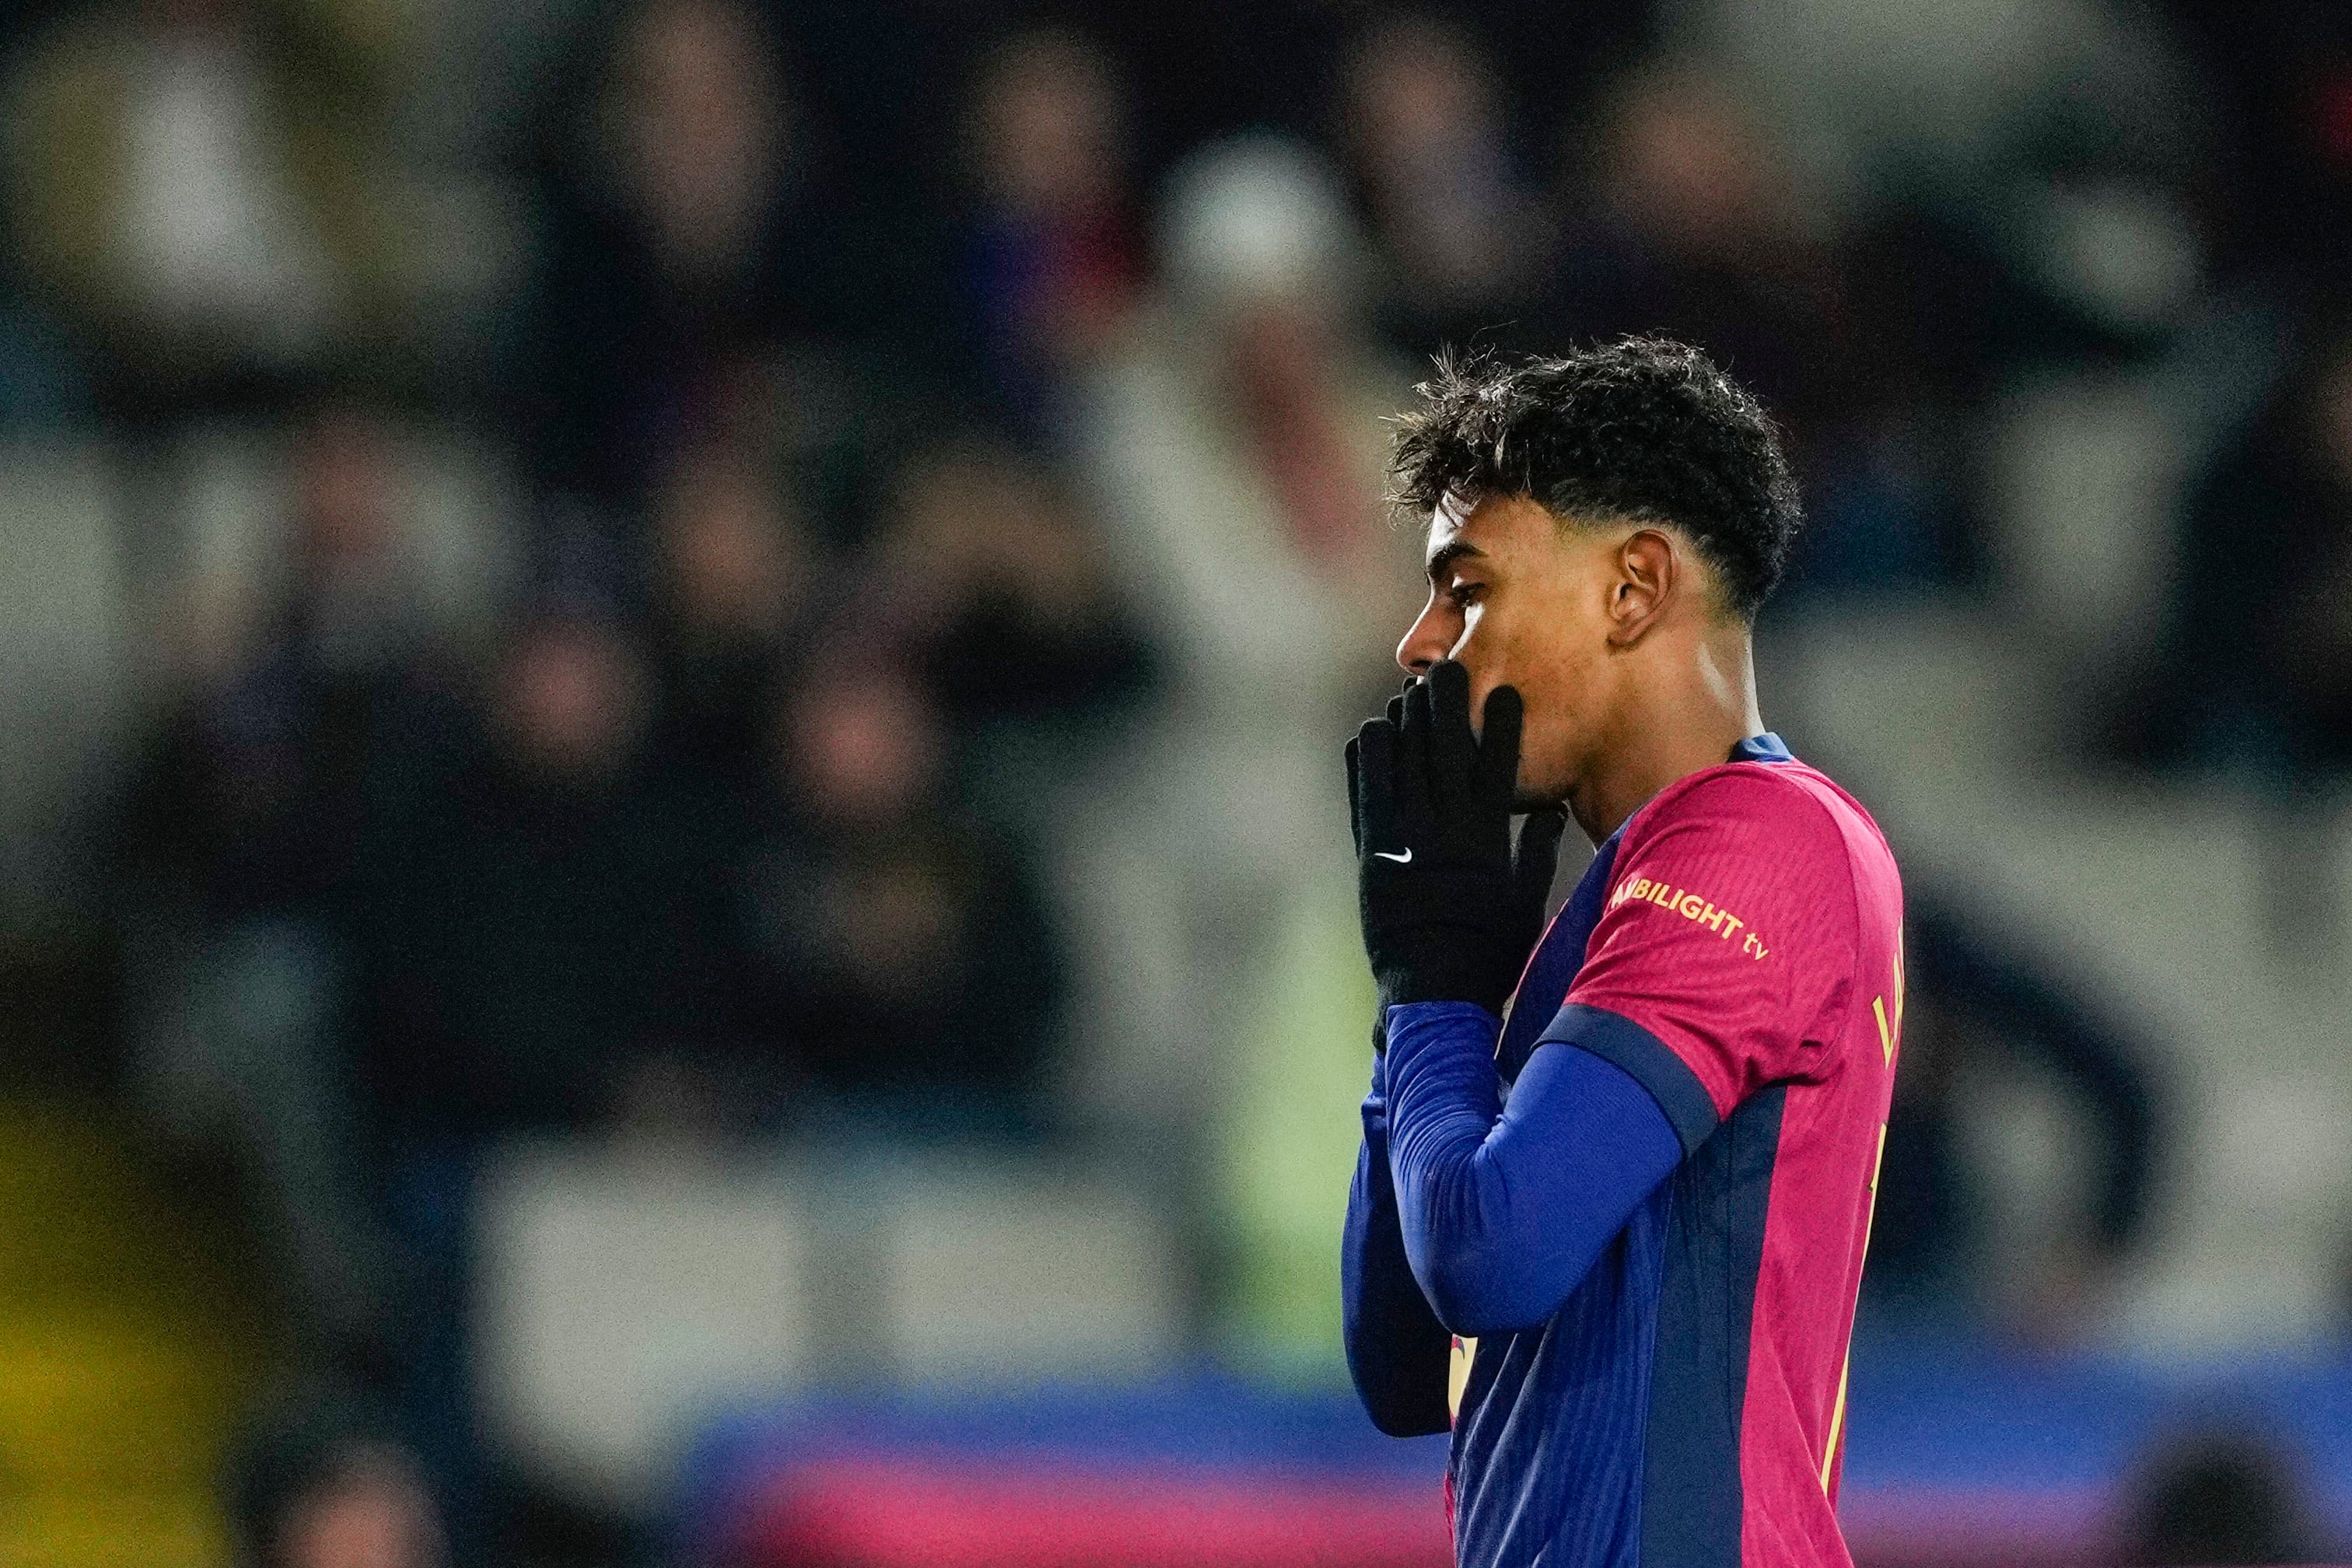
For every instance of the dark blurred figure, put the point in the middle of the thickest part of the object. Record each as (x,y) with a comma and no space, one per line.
(2253,678)
(1686,221)
(2258,659)
(1458,240)
(325,1484)
(2219,1497)
(243,843)
(691,235)
(1681,216)
(999,590)
(1974,1010)
(1050,259)
(260,798)
(2278,195)
(551,913)
(540,935)
(732,568)
(897,950)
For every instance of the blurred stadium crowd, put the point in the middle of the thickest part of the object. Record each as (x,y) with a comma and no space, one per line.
(692,571)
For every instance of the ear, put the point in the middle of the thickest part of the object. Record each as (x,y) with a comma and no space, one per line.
(1649,576)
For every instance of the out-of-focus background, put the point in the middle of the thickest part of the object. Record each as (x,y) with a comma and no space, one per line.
(672,875)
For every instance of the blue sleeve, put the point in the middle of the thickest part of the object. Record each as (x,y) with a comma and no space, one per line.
(1503,1210)
(1397,1353)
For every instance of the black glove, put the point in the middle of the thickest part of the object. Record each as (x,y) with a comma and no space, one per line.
(1449,912)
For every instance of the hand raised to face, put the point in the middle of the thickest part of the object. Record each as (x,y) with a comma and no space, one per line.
(1450,908)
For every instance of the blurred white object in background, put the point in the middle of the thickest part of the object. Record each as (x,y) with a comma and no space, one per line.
(996,1273)
(1256,218)
(209,223)
(629,1293)
(2084,474)
(619,1296)
(1234,444)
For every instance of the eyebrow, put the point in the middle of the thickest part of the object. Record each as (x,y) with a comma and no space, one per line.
(1447,554)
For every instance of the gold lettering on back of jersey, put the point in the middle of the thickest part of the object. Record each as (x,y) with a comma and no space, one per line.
(1457,1375)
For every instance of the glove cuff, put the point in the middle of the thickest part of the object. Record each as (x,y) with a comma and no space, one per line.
(1451,970)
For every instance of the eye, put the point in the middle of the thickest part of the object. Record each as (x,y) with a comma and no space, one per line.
(1462,594)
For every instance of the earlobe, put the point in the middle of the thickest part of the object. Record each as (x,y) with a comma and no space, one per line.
(1645,584)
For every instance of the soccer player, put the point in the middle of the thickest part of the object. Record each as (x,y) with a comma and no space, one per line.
(1624,1171)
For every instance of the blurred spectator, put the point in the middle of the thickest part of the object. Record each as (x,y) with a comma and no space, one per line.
(1236,443)
(691,237)
(1976,1011)
(1050,259)
(897,950)
(1688,222)
(540,939)
(2050,140)
(325,1485)
(549,916)
(1457,236)
(307,722)
(732,568)
(2215,1498)
(2254,677)
(997,586)
(207,187)
(259,797)
(2257,672)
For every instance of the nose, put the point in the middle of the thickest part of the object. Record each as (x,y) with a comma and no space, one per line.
(1429,638)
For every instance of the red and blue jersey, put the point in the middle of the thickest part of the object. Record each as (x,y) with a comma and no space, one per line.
(1736,951)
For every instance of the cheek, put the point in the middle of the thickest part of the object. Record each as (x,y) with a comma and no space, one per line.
(1493,658)
(1486,637)
(1506,647)
(1546,752)
(1561,694)
(1460,629)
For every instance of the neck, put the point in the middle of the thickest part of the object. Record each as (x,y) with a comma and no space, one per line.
(1700,704)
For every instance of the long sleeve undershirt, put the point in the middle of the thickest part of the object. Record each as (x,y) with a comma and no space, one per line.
(1474,1216)
(1397,1353)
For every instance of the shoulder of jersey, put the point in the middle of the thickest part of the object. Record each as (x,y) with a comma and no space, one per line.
(1777,790)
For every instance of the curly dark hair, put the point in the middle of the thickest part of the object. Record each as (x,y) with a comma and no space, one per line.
(1642,429)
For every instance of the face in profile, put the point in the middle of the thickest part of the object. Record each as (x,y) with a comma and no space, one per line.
(1520,600)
